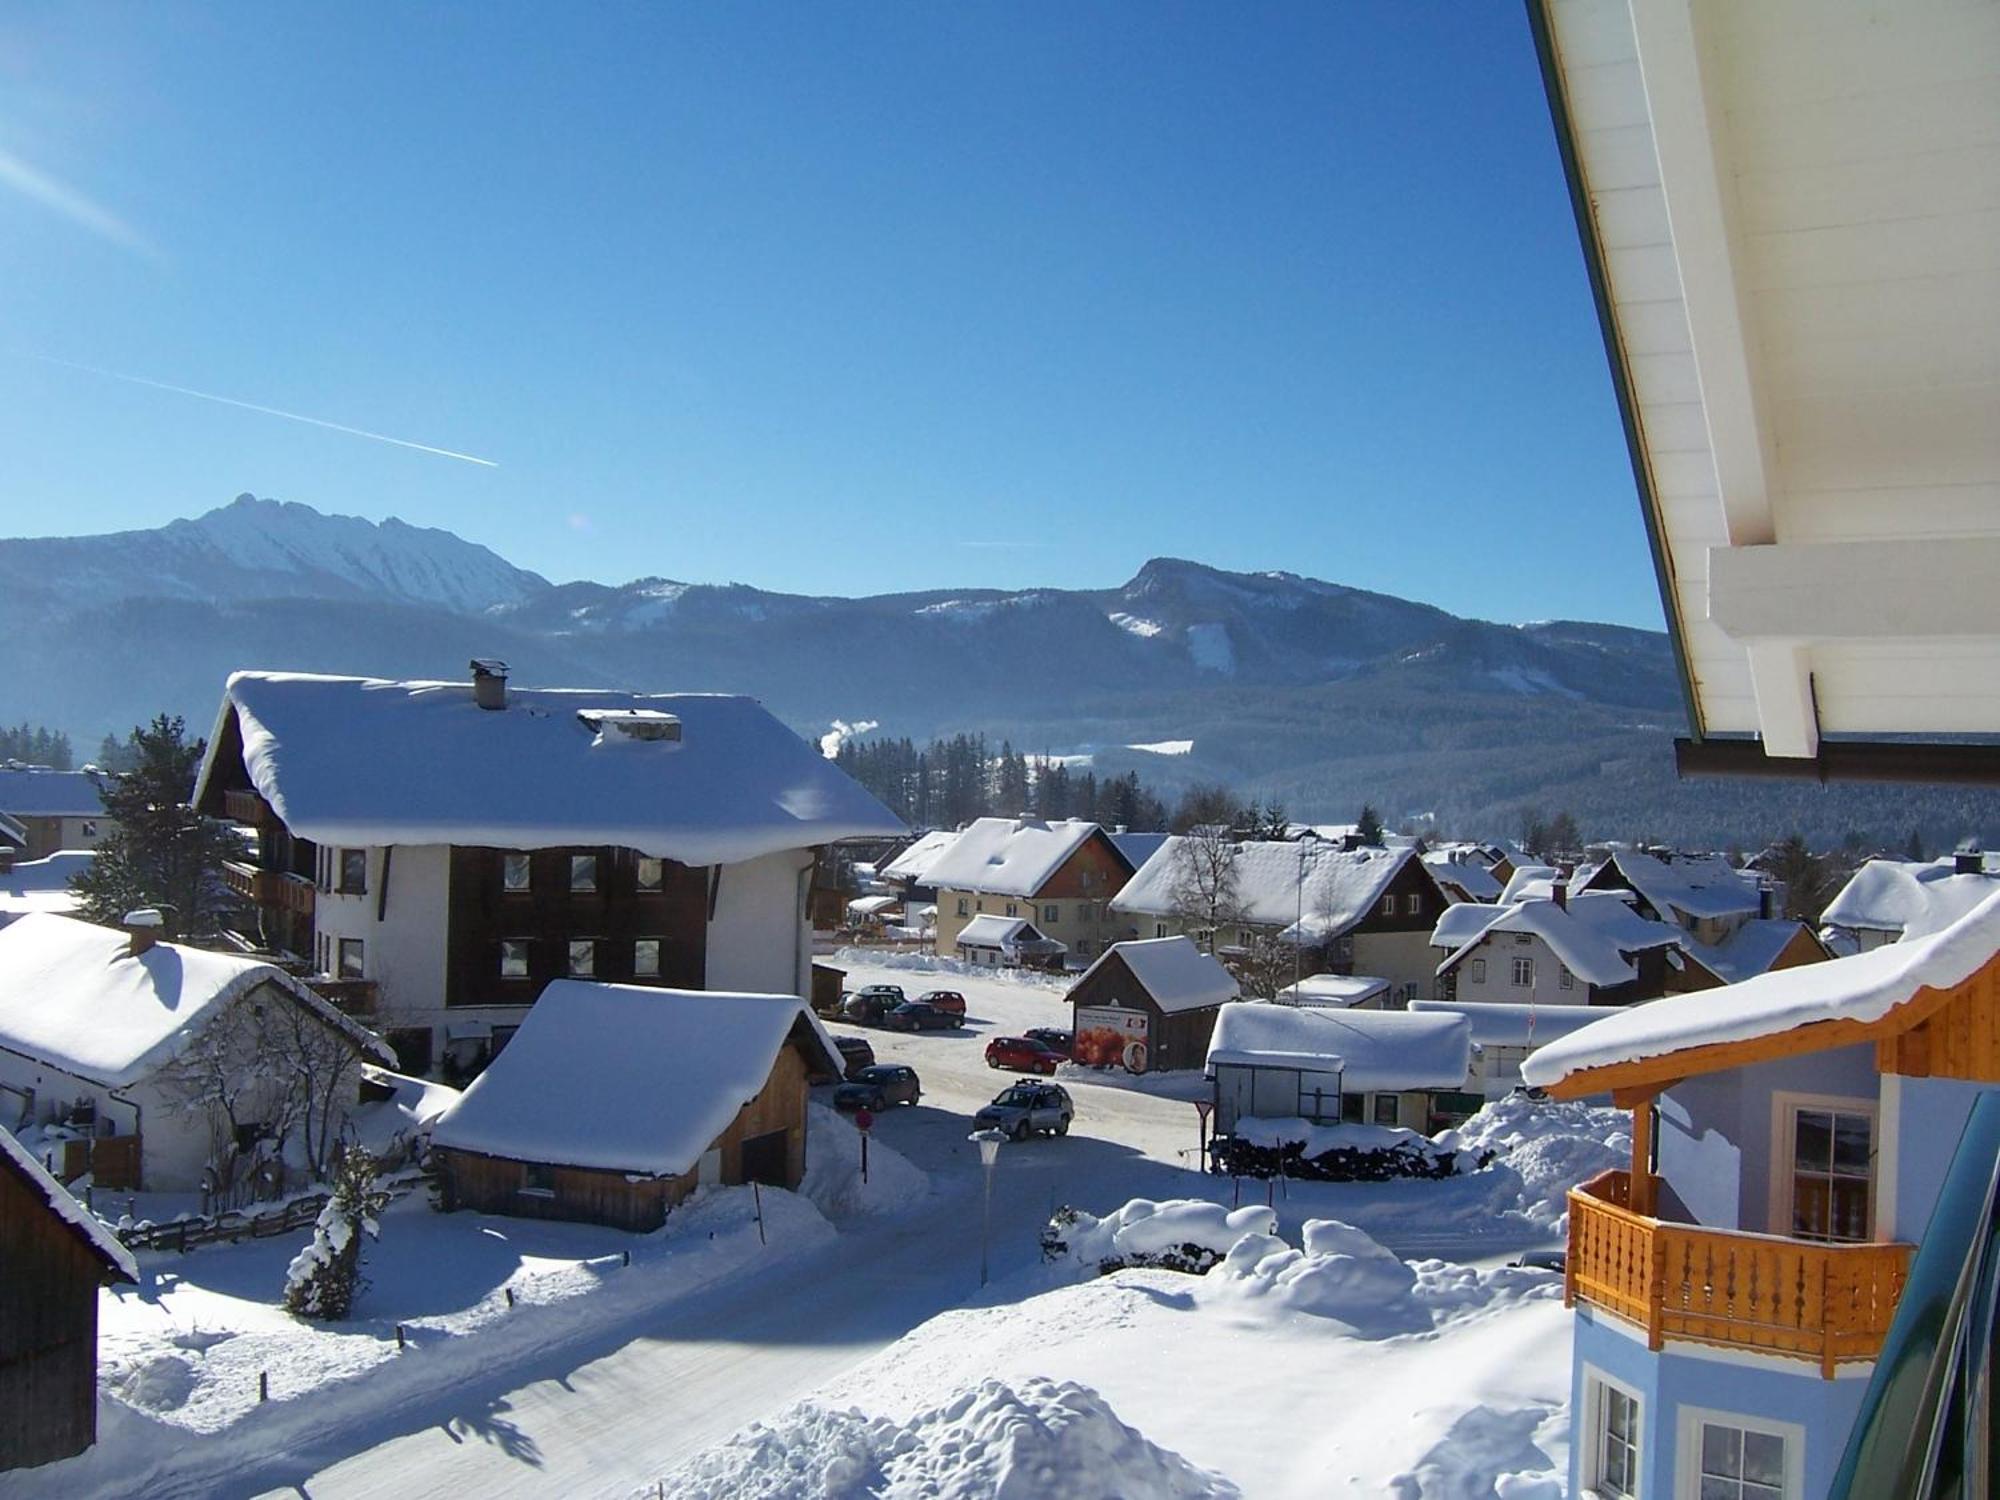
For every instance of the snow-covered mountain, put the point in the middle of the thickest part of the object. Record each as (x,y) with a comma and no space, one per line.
(260,549)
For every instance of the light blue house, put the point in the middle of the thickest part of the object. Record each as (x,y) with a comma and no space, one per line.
(1791,1133)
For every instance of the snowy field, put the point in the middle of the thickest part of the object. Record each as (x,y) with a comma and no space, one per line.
(601,1379)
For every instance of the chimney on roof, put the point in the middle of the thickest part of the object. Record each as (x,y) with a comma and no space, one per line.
(1559,893)
(489,682)
(1968,859)
(142,929)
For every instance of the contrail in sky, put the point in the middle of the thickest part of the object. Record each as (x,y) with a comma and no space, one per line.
(269,411)
(72,205)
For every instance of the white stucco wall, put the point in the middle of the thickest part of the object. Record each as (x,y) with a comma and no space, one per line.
(758,940)
(1500,951)
(403,952)
(1402,958)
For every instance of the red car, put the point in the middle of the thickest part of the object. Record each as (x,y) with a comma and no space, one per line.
(1022,1055)
(950,1000)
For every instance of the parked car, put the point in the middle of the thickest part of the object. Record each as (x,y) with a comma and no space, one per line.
(879,1087)
(950,1000)
(1052,1038)
(867,1007)
(1023,1054)
(915,1015)
(1025,1107)
(828,1008)
(855,1052)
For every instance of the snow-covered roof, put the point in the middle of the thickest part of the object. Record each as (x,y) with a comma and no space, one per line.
(1173,971)
(1475,879)
(624,1078)
(1914,899)
(1529,883)
(1337,990)
(1591,934)
(1009,856)
(42,884)
(914,863)
(414,1105)
(88,1227)
(1503,1025)
(868,906)
(1752,948)
(36,792)
(72,995)
(1374,1051)
(1138,847)
(1277,880)
(1864,988)
(992,931)
(1461,922)
(1699,885)
(12,834)
(360,761)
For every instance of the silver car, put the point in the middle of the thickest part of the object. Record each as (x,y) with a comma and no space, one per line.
(1025,1107)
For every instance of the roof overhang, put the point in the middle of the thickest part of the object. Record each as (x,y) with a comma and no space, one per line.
(1788,216)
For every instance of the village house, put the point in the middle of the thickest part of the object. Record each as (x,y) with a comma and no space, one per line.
(1359,1067)
(42,884)
(1148,1005)
(1887,900)
(439,852)
(57,1255)
(1702,894)
(1350,911)
(1013,942)
(157,1066)
(1463,876)
(614,1102)
(1058,875)
(1791,1137)
(53,809)
(908,874)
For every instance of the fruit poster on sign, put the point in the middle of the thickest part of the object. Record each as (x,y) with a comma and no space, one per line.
(1109,1037)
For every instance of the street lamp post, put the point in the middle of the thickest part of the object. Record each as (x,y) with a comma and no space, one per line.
(988,1142)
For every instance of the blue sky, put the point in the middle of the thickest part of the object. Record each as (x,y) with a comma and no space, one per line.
(832,299)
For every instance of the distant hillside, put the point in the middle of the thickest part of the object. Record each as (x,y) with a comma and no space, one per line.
(1322,695)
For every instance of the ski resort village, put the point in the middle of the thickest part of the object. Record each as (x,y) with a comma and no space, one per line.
(1226,1035)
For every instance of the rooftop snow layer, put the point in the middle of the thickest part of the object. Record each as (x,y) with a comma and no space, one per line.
(1914,899)
(1529,882)
(1504,1025)
(1374,1051)
(1752,948)
(88,1226)
(1173,971)
(1591,934)
(73,996)
(1863,988)
(1697,885)
(582,1082)
(991,930)
(914,863)
(1278,881)
(1338,990)
(1461,922)
(738,784)
(1008,856)
(42,884)
(35,792)
(1474,879)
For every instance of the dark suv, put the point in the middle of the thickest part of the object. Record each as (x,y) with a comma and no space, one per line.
(879,1087)
(917,1016)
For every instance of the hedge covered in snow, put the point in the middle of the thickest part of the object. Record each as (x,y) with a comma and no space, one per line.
(1337,1153)
(1181,1234)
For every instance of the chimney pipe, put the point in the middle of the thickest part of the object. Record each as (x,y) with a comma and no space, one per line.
(1968,862)
(142,929)
(1559,893)
(489,682)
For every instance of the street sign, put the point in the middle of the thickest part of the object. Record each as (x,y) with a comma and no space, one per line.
(863,1119)
(1204,1107)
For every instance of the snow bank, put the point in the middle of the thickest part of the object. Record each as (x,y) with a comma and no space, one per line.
(931,963)
(833,1171)
(1181,1234)
(1551,1146)
(1038,1440)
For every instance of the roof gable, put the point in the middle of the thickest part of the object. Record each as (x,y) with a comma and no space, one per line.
(1173,972)
(89,1230)
(1305,887)
(1373,1051)
(1014,856)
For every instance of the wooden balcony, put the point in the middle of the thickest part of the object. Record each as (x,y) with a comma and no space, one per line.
(245,806)
(1760,1292)
(293,893)
(356,997)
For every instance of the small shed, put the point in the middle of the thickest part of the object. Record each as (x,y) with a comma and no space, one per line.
(1338,992)
(1013,941)
(1375,1067)
(1148,1005)
(56,1256)
(614,1102)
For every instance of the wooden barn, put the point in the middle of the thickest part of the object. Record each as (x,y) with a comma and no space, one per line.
(56,1256)
(615,1102)
(1148,1005)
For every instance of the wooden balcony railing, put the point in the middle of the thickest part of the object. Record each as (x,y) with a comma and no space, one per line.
(269,887)
(1759,1292)
(356,997)
(245,806)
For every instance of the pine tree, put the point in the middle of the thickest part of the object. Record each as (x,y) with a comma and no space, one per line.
(324,1278)
(1368,827)
(161,852)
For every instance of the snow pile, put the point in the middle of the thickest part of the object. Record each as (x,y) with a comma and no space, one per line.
(833,1171)
(1296,1147)
(1181,1234)
(1040,1440)
(1551,1146)
(391,1126)
(932,963)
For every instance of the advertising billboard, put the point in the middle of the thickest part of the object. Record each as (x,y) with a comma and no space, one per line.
(1107,1036)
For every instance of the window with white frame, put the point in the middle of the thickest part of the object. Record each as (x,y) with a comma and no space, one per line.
(1413,903)
(1159,929)
(351,966)
(1613,1418)
(1479,971)
(1831,1144)
(1388,906)
(1730,1456)
(1524,973)
(1050,914)
(961,906)
(1564,978)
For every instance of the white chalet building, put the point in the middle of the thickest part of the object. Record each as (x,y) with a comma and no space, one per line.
(440,851)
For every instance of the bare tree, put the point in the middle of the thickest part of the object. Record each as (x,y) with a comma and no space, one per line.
(1204,887)
(1263,966)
